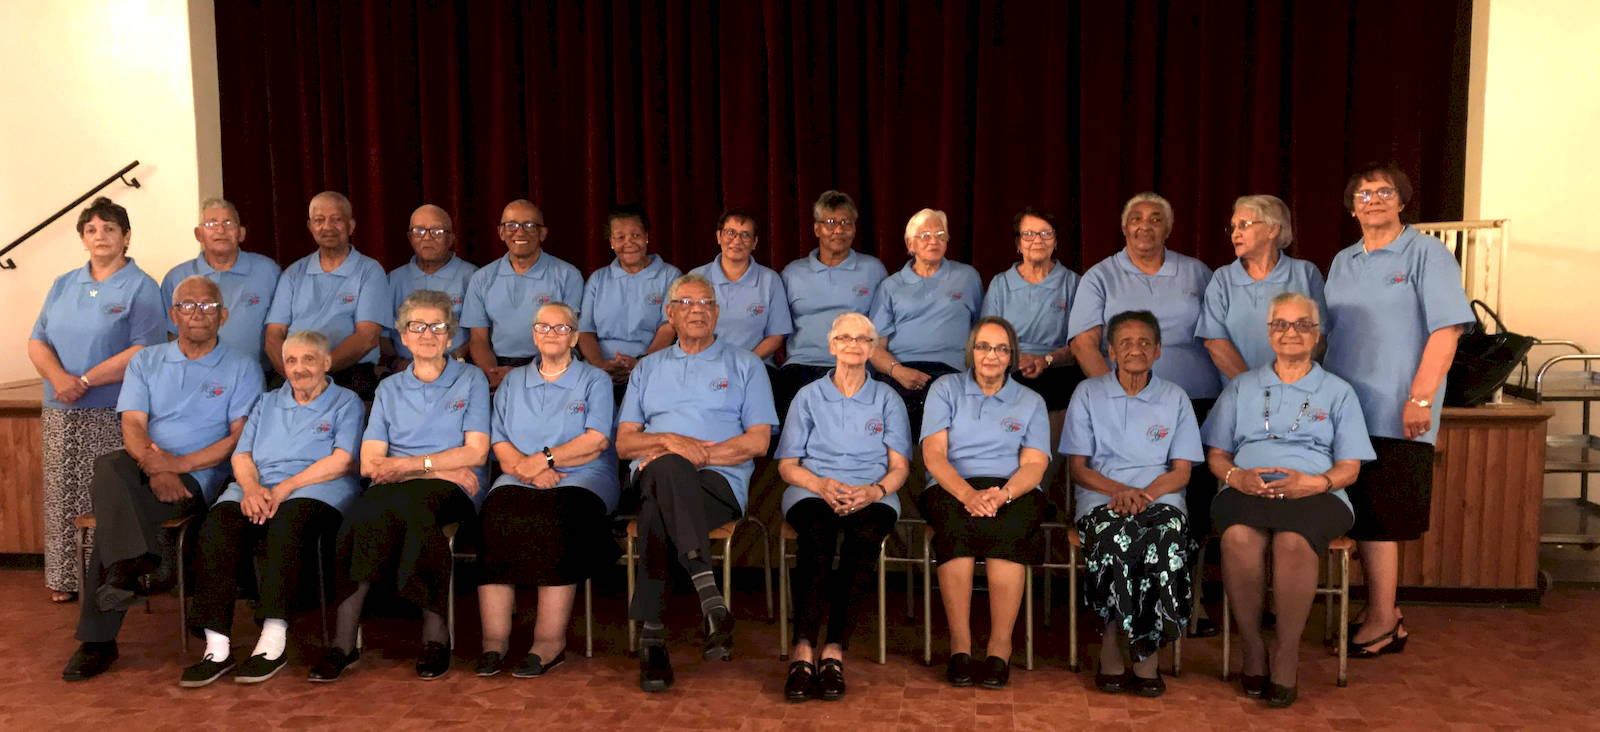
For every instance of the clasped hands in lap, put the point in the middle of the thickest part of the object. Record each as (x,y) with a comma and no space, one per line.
(1292,484)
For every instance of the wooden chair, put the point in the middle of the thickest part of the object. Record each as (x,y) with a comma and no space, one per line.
(723,534)
(1340,549)
(180,524)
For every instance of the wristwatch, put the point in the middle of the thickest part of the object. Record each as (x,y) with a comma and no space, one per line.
(85,381)
(1049,359)
(549,459)
(427,463)
(1424,403)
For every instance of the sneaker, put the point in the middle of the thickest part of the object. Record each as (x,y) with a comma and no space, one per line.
(205,672)
(333,665)
(259,668)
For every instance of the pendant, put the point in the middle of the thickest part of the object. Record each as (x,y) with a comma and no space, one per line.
(93,293)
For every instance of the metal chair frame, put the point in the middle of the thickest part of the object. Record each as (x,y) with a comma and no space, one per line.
(1340,549)
(724,534)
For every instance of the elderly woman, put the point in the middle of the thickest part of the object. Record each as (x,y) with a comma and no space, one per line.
(424,450)
(294,472)
(544,522)
(845,452)
(93,320)
(985,440)
(1286,438)
(1395,310)
(621,317)
(922,313)
(1236,300)
(1132,439)
(755,307)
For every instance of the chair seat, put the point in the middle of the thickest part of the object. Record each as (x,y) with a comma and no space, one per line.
(1342,544)
(721,532)
(86,521)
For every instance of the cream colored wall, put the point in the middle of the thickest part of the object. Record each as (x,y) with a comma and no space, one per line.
(90,86)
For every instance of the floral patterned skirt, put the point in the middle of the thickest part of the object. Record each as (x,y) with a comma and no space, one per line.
(1138,580)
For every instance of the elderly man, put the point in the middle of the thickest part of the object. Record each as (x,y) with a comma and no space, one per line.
(693,417)
(183,407)
(503,296)
(247,279)
(433,266)
(336,291)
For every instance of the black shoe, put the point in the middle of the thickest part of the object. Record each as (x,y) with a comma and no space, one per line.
(259,668)
(717,628)
(333,665)
(1112,683)
(488,664)
(1281,696)
(205,672)
(533,666)
(801,682)
(1148,687)
(434,661)
(1254,686)
(996,673)
(1396,643)
(959,671)
(655,669)
(1204,628)
(830,679)
(89,661)
(113,599)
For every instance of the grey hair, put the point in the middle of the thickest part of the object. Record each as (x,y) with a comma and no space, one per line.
(1272,210)
(1149,197)
(200,281)
(1287,297)
(427,299)
(834,201)
(688,279)
(310,338)
(851,317)
(565,309)
(216,202)
(924,216)
(337,198)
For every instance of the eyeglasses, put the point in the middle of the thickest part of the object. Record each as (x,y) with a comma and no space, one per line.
(744,236)
(511,227)
(1241,226)
(223,224)
(1266,413)
(929,237)
(1301,326)
(1144,343)
(840,224)
(860,340)
(1384,193)
(1042,235)
(559,328)
(625,238)
(689,302)
(423,232)
(1001,350)
(417,326)
(190,307)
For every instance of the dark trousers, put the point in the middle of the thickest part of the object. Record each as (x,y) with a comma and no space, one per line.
(128,521)
(227,539)
(916,398)
(678,507)
(817,583)
(789,380)
(361,378)
(1202,484)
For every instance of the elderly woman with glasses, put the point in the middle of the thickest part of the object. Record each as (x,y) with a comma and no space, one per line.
(754,303)
(845,452)
(424,451)
(1285,439)
(1237,299)
(986,442)
(622,317)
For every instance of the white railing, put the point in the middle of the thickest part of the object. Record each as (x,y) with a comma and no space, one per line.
(1480,247)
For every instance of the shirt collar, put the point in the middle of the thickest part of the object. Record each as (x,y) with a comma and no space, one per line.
(447,377)
(711,352)
(1015,281)
(84,276)
(1309,383)
(830,390)
(1113,388)
(504,268)
(1279,273)
(815,260)
(910,276)
(345,268)
(1168,266)
(241,265)
(1398,246)
(448,263)
(567,380)
(652,265)
(286,394)
(174,354)
(969,387)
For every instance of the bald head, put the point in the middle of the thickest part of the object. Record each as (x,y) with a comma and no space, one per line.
(197,287)
(523,231)
(431,236)
(430,215)
(331,221)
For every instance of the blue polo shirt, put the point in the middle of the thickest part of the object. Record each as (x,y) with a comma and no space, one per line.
(189,403)
(751,308)
(1236,305)
(715,394)
(418,418)
(1037,310)
(1174,295)
(505,302)
(1316,422)
(284,437)
(624,310)
(986,433)
(450,279)
(1130,439)
(87,322)
(819,293)
(844,438)
(246,291)
(532,414)
(1382,306)
(929,317)
(331,303)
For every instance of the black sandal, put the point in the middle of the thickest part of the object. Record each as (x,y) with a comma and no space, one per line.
(801,682)
(830,679)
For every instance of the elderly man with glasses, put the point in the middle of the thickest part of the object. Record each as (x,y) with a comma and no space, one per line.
(247,279)
(502,297)
(433,266)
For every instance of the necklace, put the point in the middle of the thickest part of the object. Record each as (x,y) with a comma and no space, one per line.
(563,370)
(1266,413)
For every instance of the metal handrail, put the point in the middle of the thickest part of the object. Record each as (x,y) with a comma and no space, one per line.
(6,263)
(1538,381)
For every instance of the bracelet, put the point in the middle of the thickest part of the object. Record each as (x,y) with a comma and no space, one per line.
(1229,474)
(1326,477)
(85,381)
(882,490)
(1009,497)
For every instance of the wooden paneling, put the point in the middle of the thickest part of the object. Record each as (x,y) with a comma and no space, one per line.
(21,483)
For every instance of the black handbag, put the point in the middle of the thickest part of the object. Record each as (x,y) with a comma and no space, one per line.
(1483,360)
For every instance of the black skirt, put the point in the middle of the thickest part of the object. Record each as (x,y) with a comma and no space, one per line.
(544,537)
(1011,534)
(1054,384)
(392,534)
(1320,518)
(1393,493)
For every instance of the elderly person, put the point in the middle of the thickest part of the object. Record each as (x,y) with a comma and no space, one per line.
(433,266)
(845,452)
(834,278)
(753,303)
(1284,476)
(94,319)
(985,440)
(336,291)
(424,450)
(1131,438)
(1395,310)
(247,279)
(621,319)
(183,406)
(294,471)
(544,522)
(923,311)
(694,417)
(1237,297)
(502,297)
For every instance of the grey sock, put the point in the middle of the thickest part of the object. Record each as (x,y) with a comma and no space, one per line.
(705,585)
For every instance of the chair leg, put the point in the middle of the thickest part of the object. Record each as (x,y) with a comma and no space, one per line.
(1177,655)
(883,603)
(1027,614)
(1344,617)
(927,600)
(450,599)
(588,618)
(633,626)
(1227,637)
(83,565)
(766,564)
(1073,664)
(183,602)
(322,597)
(727,572)
(1327,605)
(1047,579)
(783,598)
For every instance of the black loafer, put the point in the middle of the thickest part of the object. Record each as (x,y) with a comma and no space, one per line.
(488,664)
(533,666)
(333,664)
(113,599)
(434,661)
(1281,696)
(259,668)
(959,671)
(89,661)
(205,672)
(996,673)
(1254,686)
(1151,688)
(655,668)
(830,679)
(801,682)
(1112,683)
(718,630)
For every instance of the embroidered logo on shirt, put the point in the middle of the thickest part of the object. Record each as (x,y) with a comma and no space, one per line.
(718,384)
(578,406)
(250,298)
(874,426)
(1011,424)
(543,298)
(1061,305)
(756,310)
(1319,415)
(458,405)
(863,291)
(212,390)
(654,298)
(323,428)
(1396,278)
(116,309)
(955,296)
(347,297)
(1157,432)
(455,299)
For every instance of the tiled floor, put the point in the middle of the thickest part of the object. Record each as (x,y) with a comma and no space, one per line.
(1467,668)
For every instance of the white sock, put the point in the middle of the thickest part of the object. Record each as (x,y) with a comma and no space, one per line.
(216,646)
(274,636)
